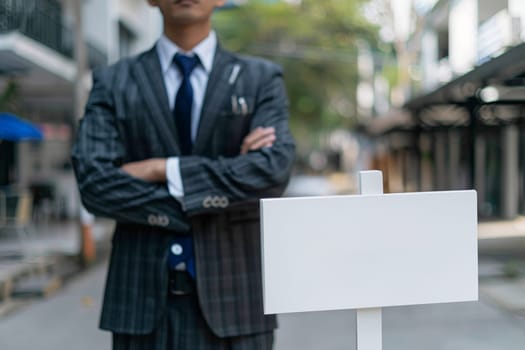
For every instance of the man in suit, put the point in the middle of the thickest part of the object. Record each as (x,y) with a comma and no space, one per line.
(177,145)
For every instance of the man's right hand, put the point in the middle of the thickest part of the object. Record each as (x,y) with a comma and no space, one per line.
(257,139)
(151,170)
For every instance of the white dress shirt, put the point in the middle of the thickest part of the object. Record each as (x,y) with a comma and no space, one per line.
(166,50)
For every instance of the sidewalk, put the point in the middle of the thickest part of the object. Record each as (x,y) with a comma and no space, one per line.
(502,264)
(69,321)
(39,264)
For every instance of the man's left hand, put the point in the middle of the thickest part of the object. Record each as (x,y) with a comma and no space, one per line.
(258,138)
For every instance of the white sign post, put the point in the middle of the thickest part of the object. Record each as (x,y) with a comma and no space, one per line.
(369,251)
(369,323)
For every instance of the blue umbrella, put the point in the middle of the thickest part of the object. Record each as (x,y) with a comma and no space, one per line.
(13,128)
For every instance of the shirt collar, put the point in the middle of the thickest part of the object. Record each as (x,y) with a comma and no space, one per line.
(205,50)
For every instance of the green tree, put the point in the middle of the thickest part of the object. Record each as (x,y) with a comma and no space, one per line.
(316,42)
(8,97)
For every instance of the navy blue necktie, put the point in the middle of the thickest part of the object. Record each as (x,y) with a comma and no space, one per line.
(184,101)
(181,250)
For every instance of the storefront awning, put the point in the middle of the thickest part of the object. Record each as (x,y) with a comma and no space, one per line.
(506,71)
(12,128)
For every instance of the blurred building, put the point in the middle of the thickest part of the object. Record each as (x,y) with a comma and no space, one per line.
(39,72)
(457,121)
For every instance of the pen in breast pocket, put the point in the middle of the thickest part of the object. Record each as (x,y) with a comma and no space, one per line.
(244,106)
(235,109)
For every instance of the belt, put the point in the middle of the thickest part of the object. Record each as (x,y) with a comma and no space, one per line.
(180,283)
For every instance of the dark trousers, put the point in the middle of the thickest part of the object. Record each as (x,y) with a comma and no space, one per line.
(184,328)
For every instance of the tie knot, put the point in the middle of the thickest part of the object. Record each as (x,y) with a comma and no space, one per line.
(186,63)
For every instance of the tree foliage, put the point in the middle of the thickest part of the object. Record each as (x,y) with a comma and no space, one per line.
(8,97)
(316,42)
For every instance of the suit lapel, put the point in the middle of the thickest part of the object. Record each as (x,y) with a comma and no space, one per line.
(217,91)
(148,72)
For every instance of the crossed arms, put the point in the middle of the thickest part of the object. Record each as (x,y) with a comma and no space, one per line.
(132,192)
(154,169)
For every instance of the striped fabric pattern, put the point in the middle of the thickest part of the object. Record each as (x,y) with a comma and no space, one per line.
(183,328)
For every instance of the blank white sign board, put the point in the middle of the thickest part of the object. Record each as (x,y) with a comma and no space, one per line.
(369,251)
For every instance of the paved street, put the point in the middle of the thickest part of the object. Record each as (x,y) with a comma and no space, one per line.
(69,321)
(66,321)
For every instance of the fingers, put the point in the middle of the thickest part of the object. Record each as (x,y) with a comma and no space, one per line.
(257,139)
(261,143)
(257,134)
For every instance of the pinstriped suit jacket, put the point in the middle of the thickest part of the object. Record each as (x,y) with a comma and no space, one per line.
(127,118)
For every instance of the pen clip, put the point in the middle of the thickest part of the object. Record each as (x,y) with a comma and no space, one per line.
(244,106)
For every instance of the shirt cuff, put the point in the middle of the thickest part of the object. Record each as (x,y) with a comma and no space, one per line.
(174,179)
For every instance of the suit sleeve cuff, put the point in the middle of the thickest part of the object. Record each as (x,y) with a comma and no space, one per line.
(174,179)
